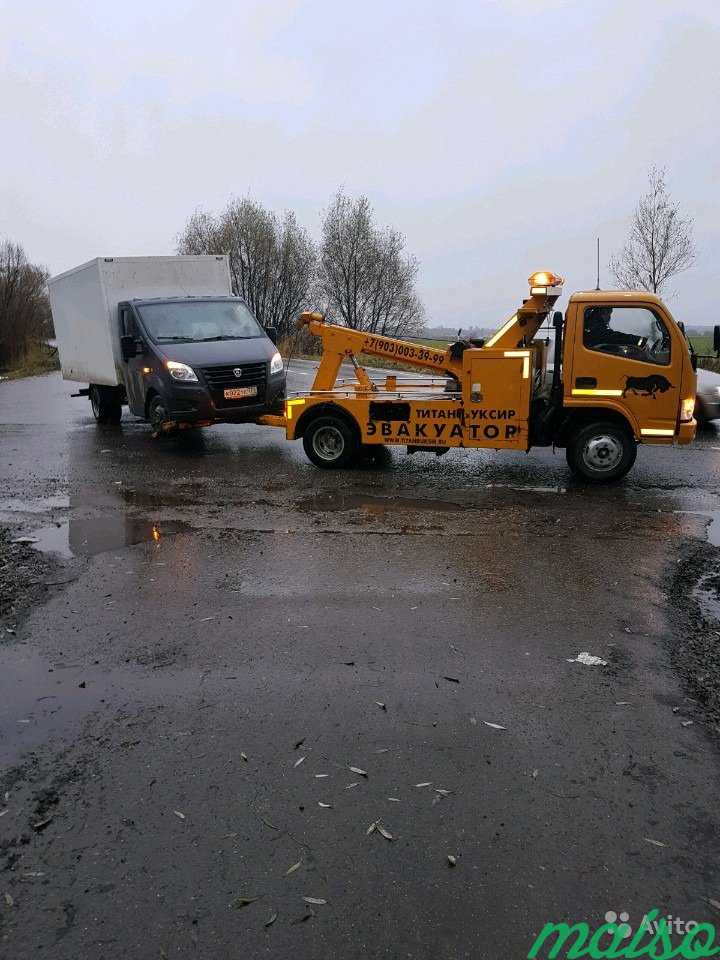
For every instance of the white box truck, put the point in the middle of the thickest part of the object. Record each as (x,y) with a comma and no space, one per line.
(165,336)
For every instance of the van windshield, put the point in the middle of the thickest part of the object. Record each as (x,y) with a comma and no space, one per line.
(200,321)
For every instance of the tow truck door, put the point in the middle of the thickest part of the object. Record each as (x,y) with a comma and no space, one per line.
(496,398)
(623,356)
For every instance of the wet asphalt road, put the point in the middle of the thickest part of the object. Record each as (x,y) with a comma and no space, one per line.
(226,630)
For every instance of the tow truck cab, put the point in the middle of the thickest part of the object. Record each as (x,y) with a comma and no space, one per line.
(623,357)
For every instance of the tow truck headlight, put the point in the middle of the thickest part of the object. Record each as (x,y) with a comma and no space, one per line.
(687,408)
(181,371)
(276,364)
(545,283)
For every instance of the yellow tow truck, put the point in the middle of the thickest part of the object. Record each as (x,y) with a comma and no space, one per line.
(621,374)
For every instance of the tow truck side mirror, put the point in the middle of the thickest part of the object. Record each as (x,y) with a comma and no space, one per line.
(128,347)
(716,339)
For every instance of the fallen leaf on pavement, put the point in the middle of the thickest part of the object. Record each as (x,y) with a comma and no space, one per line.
(395,799)
(656,843)
(306,916)
(271,920)
(383,832)
(293,868)
(41,824)
(298,761)
(243,756)
(314,900)
(452,860)
(358,771)
(351,785)
(321,776)
(327,806)
(381,704)
(495,726)
(9,900)
(372,828)
(240,902)
(178,814)
(425,783)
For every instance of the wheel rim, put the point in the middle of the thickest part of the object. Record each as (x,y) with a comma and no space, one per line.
(602,453)
(328,443)
(95,402)
(158,414)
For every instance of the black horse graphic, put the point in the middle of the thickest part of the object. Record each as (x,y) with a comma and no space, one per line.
(647,386)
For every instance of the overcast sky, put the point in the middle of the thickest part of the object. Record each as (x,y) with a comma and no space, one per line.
(500,137)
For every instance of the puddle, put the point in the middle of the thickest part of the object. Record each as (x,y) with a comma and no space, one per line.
(42,699)
(524,488)
(713,529)
(86,537)
(376,505)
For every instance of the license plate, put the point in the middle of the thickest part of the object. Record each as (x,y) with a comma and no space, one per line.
(239,393)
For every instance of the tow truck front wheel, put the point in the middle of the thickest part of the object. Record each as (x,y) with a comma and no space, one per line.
(330,442)
(601,452)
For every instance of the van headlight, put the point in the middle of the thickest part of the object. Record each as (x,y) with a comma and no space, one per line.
(276,364)
(181,371)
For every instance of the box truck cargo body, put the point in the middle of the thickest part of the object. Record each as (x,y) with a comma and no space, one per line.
(85,300)
(166,336)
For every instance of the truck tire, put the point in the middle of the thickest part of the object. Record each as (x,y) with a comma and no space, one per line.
(331,443)
(106,403)
(601,452)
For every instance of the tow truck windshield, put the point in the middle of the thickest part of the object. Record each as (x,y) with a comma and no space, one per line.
(187,322)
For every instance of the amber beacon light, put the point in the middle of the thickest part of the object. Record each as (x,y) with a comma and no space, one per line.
(544,282)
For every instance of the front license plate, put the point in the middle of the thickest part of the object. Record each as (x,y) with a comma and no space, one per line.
(239,393)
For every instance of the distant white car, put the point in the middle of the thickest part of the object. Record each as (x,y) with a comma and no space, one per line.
(707,406)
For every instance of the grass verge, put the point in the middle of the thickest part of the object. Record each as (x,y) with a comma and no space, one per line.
(38,358)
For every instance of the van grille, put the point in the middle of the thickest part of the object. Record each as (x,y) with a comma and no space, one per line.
(222,378)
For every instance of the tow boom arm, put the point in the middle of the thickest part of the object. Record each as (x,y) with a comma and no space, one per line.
(341,343)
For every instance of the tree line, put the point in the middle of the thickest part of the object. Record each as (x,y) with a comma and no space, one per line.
(24,305)
(358,275)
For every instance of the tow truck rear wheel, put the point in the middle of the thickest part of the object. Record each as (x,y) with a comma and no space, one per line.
(601,452)
(330,442)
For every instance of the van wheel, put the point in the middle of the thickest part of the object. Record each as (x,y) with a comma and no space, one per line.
(157,413)
(601,452)
(105,403)
(330,442)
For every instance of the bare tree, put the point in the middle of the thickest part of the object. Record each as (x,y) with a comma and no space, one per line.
(365,279)
(660,244)
(24,307)
(272,261)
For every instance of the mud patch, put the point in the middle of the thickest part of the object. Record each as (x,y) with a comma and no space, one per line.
(695,600)
(24,577)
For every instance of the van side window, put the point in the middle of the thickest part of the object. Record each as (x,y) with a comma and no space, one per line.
(634,332)
(127,324)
